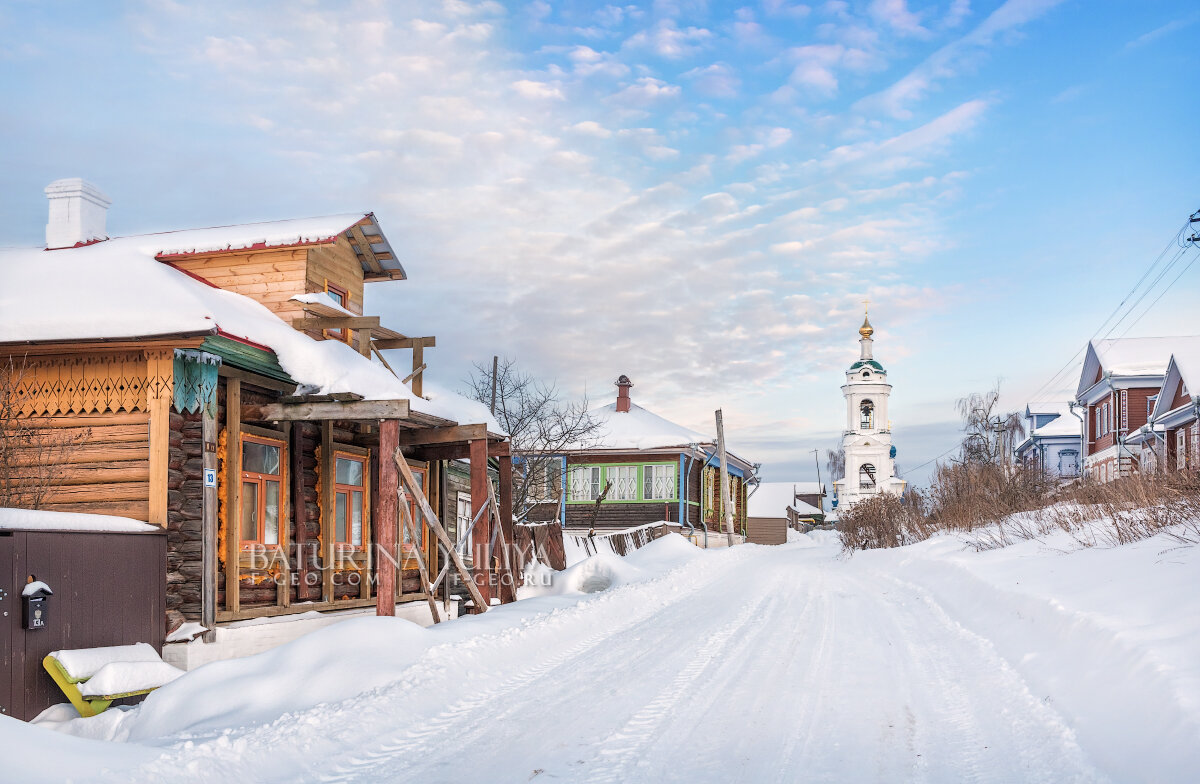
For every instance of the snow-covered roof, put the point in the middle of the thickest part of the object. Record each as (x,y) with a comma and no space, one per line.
(1184,369)
(119,289)
(773,499)
(809,488)
(269,234)
(1129,357)
(1064,424)
(638,429)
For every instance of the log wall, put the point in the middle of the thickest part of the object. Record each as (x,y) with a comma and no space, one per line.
(99,464)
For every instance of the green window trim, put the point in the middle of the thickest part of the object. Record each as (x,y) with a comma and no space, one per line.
(641,479)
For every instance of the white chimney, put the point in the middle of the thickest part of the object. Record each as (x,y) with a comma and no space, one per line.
(77,213)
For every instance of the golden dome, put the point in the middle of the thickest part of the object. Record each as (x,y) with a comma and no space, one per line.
(866,330)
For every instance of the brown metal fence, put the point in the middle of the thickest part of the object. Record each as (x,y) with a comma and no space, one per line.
(109,589)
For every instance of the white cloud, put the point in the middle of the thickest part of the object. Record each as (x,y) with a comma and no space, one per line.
(717,80)
(667,40)
(591,128)
(945,62)
(646,91)
(527,88)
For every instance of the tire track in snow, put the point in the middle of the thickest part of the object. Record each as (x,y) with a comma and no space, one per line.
(622,749)
(472,711)
(1039,736)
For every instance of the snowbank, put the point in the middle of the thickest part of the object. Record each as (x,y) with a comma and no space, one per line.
(40,520)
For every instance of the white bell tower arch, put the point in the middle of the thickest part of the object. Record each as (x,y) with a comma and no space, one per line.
(867,437)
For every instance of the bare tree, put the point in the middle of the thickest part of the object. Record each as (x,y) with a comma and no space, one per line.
(32,459)
(835,463)
(540,425)
(989,437)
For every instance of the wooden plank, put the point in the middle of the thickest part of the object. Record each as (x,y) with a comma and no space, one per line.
(233,489)
(340,322)
(414,534)
(136,510)
(442,435)
(389,511)
(327,497)
(386,344)
(418,366)
(161,372)
(101,420)
(98,493)
(89,453)
(443,538)
(352,410)
(72,474)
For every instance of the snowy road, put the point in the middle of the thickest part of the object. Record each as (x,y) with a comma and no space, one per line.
(752,664)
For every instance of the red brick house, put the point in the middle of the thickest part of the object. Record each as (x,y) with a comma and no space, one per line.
(1177,410)
(1118,388)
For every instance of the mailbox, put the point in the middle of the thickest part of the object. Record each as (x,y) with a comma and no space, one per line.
(35,605)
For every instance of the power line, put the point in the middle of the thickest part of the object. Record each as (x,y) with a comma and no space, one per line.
(1177,240)
(1150,307)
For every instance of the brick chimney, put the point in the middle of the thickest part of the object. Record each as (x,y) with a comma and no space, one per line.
(623,401)
(78,212)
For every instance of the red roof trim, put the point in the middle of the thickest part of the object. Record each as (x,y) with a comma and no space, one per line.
(245,341)
(80,244)
(255,246)
(191,275)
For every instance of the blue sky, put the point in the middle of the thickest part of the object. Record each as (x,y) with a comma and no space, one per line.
(698,195)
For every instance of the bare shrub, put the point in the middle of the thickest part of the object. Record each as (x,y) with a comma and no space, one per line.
(32,458)
(883,521)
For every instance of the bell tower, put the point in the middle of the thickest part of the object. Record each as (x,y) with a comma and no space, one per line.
(867,436)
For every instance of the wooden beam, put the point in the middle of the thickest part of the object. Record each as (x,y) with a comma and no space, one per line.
(364,342)
(418,366)
(276,385)
(442,435)
(300,514)
(482,556)
(233,489)
(325,469)
(458,451)
(387,519)
(161,375)
(340,322)
(429,342)
(208,515)
(508,587)
(349,410)
(439,531)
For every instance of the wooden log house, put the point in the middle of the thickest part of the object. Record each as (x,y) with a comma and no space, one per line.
(225,384)
(653,469)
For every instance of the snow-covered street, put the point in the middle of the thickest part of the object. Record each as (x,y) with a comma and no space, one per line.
(790,663)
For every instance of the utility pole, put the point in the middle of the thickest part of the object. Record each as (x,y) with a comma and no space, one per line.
(495,368)
(725,501)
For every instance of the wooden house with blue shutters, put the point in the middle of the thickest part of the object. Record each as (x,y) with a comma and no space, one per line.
(642,468)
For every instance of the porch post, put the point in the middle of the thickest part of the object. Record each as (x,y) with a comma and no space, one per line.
(508,588)
(388,518)
(482,535)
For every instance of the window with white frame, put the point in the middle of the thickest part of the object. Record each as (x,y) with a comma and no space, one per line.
(584,483)
(624,480)
(658,483)
(1180,449)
